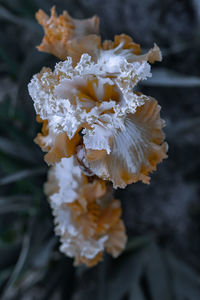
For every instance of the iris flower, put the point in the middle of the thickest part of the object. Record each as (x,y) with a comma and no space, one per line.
(90,99)
(96,128)
(87,217)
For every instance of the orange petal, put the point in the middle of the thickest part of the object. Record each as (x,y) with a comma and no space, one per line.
(152,55)
(88,262)
(109,216)
(127,43)
(88,44)
(60,30)
(136,149)
(117,239)
(89,221)
(63,147)
(94,190)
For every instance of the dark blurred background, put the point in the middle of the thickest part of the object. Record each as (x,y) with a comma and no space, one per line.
(161,261)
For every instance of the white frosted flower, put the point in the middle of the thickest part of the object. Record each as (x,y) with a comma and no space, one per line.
(96,98)
(87,218)
(69,97)
(90,105)
(96,127)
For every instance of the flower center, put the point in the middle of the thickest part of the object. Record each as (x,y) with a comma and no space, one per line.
(95,91)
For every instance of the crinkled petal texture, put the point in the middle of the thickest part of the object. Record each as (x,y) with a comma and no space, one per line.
(87,218)
(63,29)
(88,104)
(96,127)
(124,43)
(65,36)
(134,151)
(93,105)
(70,99)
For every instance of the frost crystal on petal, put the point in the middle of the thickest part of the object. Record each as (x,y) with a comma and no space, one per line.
(97,129)
(97,98)
(87,218)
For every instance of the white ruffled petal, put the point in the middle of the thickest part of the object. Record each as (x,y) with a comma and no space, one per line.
(98,138)
(136,148)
